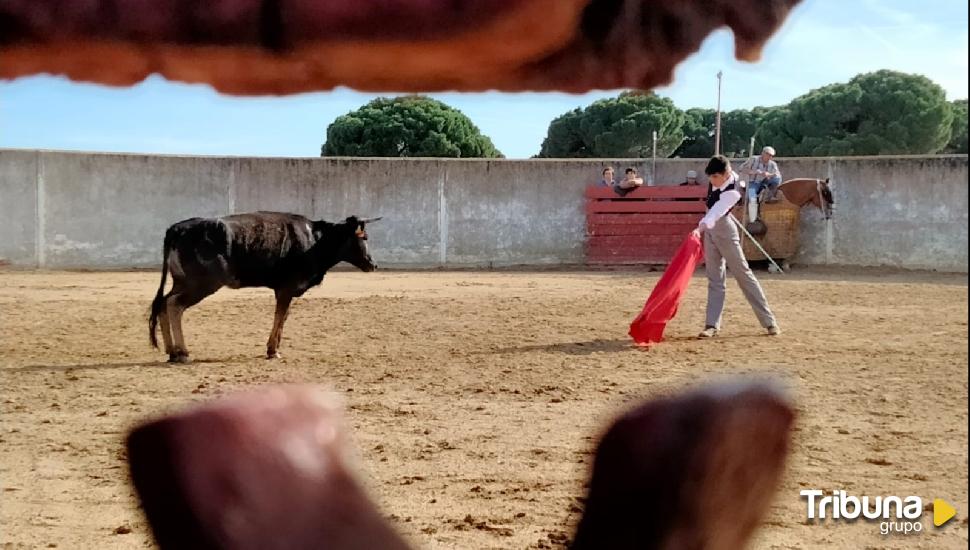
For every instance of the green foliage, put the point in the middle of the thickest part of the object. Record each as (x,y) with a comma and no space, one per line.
(737,129)
(565,137)
(739,126)
(958,129)
(880,113)
(698,134)
(617,127)
(409,126)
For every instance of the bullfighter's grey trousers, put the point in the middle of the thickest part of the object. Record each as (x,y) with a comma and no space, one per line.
(722,245)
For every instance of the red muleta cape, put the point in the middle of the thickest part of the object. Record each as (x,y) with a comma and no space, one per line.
(648,327)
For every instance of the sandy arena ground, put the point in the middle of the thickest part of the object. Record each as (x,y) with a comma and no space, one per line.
(476,397)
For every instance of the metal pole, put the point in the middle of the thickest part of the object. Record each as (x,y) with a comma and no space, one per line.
(717,124)
(653,169)
(756,243)
(744,195)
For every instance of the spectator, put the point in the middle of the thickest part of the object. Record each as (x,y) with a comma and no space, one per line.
(691,178)
(607,180)
(629,183)
(691,181)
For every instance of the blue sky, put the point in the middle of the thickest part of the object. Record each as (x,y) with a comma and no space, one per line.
(823,41)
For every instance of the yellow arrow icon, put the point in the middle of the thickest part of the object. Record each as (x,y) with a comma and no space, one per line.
(942,512)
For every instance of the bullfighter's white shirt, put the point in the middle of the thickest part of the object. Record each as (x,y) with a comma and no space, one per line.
(727,200)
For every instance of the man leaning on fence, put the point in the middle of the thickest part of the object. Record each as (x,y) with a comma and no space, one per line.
(630,182)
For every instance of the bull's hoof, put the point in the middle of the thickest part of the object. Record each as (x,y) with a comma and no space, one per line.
(179,358)
(273,355)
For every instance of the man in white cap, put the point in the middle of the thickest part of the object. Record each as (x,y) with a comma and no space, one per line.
(762,171)
(691,178)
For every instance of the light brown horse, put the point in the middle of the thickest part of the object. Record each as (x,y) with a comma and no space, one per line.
(776,227)
(802,191)
(798,192)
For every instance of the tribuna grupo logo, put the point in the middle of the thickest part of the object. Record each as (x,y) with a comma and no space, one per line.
(895,514)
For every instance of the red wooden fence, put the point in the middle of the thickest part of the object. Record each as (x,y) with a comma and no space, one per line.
(644,227)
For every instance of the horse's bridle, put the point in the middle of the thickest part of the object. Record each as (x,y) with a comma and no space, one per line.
(823,204)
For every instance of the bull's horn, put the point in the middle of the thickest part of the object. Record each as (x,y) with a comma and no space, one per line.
(369,220)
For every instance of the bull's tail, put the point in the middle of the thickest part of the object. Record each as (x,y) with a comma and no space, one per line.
(159,302)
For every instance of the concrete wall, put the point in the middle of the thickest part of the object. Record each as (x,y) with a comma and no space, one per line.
(896,211)
(18,207)
(71,210)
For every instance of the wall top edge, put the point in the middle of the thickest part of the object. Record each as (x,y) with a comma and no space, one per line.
(467,160)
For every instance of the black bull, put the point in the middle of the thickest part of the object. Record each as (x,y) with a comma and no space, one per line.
(285,252)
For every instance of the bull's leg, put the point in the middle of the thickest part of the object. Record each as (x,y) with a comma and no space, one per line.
(178,352)
(166,330)
(282,310)
(176,304)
